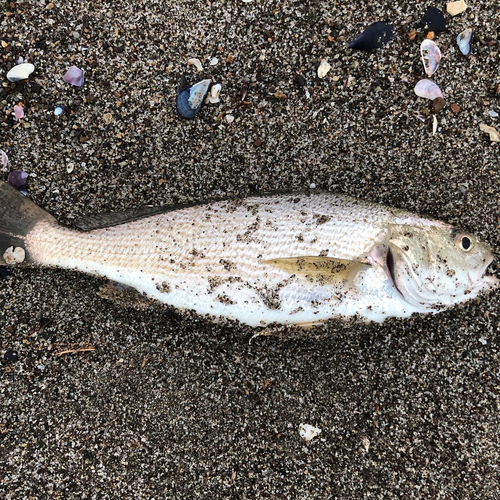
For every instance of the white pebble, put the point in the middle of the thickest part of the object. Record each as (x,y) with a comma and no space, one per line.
(308,432)
(229,118)
(324,68)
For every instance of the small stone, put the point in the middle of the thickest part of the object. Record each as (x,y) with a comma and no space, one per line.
(4,161)
(59,110)
(455,8)
(412,34)
(17,178)
(430,35)
(493,113)
(257,142)
(108,118)
(308,432)
(455,108)
(323,68)
(280,95)
(300,80)
(492,132)
(20,72)
(214,61)
(74,76)
(229,118)
(438,104)
(11,357)
(229,59)
(18,112)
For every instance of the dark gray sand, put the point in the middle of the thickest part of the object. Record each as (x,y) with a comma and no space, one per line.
(173,406)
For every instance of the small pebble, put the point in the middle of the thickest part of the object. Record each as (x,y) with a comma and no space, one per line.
(308,432)
(300,80)
(18,112)
(17,178)
(214,61)
(58,110)
(493,113)
(4,161)
(74,76)
(323,68)
(11,357)
(455,108)
(455,8)
(438,104)
(229,118)
(108,118)
(492,132)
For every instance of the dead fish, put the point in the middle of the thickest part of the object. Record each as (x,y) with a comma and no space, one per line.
(287,259)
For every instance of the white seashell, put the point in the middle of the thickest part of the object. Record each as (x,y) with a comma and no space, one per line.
(434,125)
(70,167)
(308,432)
(197,63)
(464,40)
(431,55)
(215,90)
(491,112)
(324,68)
(20,72)
(14,255)
(492,132)
(214,61)
(428,89)
(454,8)
(229,118)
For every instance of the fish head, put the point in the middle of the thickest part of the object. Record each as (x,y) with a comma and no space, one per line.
(438,266)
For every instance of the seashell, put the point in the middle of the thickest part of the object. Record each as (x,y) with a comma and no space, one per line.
(454,8)
(433,20)
(17,178)
(464,40)
(75,76)
(4,160)
(308,432)
(195,62)
(229,118)
(492,132)
(18,112)
(491,113)
(59,110)
(213,96)
(431,56)
(323,68)
(20,72)
(428,90)
(214,61)
(434,125)
(373,37)
(190,99)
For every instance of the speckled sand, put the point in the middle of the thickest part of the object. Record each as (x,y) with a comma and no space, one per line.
(173,406)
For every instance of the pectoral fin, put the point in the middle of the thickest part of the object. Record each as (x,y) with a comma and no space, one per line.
(325,269)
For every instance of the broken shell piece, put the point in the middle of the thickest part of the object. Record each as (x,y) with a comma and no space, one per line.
(433,20)
(17,178)
(455,8)
(195,62)
(14,255)
(4,160)
(59,110)
(20,72)
(18,112)
(323,68)
(214,61)
(464,40)
(213,97)
(434,125)
(308,432)
(74,76)
(373,37)
(431,56)
(190,99)
(428,89)
(492,132)
(229,118)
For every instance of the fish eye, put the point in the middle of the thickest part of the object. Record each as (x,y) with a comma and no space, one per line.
(464,242)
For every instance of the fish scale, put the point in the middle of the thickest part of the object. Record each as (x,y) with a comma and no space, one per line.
(289,259)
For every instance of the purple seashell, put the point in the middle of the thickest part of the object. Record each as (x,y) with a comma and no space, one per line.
(17,178)
(18,112)
(74,76)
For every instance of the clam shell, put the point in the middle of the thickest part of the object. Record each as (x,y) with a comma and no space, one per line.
(373,37)
(428,90)
(20,72)
(431,56)
(464,40)
(434,20)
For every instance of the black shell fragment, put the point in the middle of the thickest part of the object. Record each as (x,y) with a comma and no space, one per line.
(374,37)
(433,20)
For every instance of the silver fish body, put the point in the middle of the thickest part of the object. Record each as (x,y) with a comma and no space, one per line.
(287,259)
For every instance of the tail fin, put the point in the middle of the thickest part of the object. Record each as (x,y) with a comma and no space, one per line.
(18,216)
